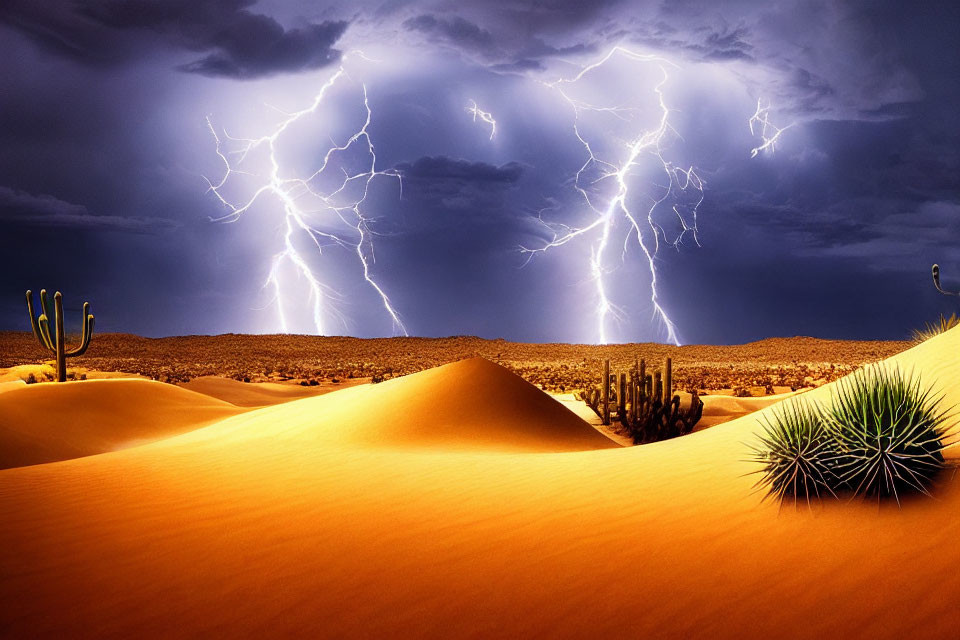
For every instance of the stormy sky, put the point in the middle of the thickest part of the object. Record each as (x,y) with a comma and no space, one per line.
(110,112)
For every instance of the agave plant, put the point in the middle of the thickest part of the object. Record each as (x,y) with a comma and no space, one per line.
(889,431)
(797,453)
(932,329)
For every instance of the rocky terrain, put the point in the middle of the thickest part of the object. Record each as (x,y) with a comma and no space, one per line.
(750,369)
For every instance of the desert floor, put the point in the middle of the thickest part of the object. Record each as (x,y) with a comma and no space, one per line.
(782,363)
(460,501)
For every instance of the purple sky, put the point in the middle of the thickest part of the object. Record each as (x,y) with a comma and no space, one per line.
(106,153)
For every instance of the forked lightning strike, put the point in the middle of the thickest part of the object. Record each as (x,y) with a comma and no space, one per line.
(648,235)
(760,125)
(485,116)
(296,221)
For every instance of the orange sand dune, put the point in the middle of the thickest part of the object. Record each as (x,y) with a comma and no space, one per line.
(719,409)
(270,524)
(471,404)
(258,394)
(11,385)
(49,422)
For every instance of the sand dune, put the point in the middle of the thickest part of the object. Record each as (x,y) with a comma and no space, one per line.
(471,404)
(719,409)
(50,422)
(11,385)
(260,394)
(346,516)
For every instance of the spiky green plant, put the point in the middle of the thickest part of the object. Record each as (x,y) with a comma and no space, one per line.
(890,432)
(797,453)
(932,329)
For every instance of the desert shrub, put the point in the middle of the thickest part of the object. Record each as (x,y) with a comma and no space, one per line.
(932,329)
(882,434)
(890,432)
(797,453)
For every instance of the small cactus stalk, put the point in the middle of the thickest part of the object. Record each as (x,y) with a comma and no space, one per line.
(668,381)
(936,282)
(622,398)
(56,343)
(606,392)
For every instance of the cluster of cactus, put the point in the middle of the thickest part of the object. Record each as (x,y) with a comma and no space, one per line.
(882,435)
(55,342)
(644,405)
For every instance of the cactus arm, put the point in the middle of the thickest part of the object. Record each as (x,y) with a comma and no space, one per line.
(44,305)
(84,336)
(87,329)
(40,333)
(45,337)
(45,321)
(936,282)
(33,318)
(87,333)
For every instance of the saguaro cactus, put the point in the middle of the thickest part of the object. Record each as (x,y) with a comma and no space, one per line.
(55,343)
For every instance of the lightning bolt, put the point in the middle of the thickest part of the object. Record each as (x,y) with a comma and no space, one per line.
(760,125)
(649,234)
(485,116)
(342,199)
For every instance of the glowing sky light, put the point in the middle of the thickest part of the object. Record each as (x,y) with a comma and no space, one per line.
(343,198)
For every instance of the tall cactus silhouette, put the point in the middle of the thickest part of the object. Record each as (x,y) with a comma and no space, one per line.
(55,343)
(936,282)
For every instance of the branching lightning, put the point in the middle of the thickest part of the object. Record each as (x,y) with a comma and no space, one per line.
(344,200)
(760,125)
(649,234)
(485,116)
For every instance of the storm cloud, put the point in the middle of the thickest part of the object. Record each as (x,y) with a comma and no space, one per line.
(234,41)
(105,138)
(18,208)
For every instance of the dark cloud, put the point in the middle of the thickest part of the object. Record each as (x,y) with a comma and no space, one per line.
(726,44)
(500,47)
(472,190)
(810,90)
(238,43)
(454,31)
(518,66)
(434,168)
(22,209)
